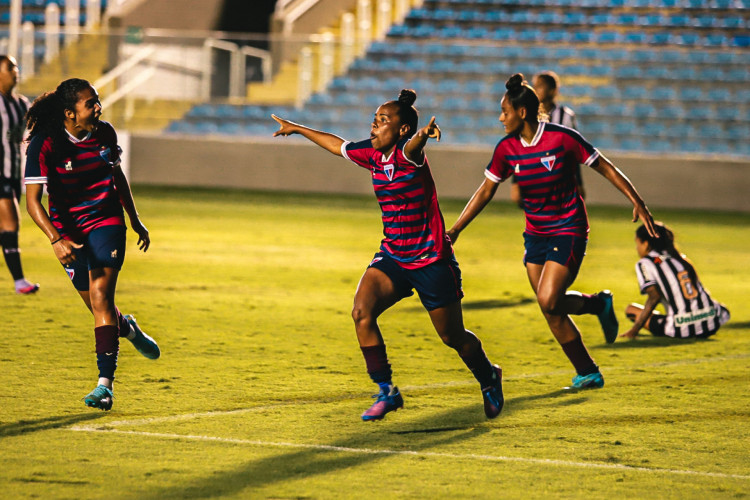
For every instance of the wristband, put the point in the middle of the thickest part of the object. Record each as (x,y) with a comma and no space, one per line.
(58,239)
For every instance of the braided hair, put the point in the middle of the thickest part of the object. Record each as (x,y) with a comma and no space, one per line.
(665,244)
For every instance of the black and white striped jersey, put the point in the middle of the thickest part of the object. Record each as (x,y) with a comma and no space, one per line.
(690,310)
(563,115)
(12,113)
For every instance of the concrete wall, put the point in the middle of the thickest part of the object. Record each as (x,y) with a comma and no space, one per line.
(294,164)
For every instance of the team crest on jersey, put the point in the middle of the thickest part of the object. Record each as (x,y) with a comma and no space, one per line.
(518,167)
(106,154)
(71,272)
(548,162)
(389,169)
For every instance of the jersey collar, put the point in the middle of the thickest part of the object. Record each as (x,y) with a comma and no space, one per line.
(76,140)
(537,136)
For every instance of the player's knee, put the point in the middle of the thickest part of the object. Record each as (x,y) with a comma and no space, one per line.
(548,304)
(362,316)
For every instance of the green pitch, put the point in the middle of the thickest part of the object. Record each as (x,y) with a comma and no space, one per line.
(261,384)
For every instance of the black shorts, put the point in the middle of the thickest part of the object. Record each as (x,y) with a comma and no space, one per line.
(438,284)
(567,250)
(102,247)
(10,188)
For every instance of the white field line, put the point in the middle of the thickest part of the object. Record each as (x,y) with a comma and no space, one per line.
(240,411)
(425,454)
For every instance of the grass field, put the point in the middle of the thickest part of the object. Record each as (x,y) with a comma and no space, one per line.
(261,384)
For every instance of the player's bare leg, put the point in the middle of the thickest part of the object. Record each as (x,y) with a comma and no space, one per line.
(376,293)
(550,282)
(449,324)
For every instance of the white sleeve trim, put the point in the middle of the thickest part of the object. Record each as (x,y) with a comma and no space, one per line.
(343,150)
(424,155)
(35,180)
(592,158)
(492,177)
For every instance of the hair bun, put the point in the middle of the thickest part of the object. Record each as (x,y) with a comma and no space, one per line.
(407,97)
(515,81)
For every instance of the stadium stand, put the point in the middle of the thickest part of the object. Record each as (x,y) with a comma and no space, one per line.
(644,75)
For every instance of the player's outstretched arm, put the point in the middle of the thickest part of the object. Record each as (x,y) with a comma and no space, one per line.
(325,140)
(476,204)
(651,302)
(414,148)
(128,203)
(63,248)
(621,182)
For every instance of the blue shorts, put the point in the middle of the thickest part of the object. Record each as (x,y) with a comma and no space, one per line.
(565,249)
(438,284)
(102,247)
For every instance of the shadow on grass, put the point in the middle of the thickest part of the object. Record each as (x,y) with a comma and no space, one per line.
(474,305)
(738,325)
(644,341)
(42,424)
(303,463)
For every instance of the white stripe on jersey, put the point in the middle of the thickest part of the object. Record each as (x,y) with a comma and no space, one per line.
(690,309)
(563,115)
(12,112)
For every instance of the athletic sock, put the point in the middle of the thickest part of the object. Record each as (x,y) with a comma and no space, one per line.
(124,329)
(579,356)
(378,366)
(9,242)
(479,364)
(592,304)
(107,349)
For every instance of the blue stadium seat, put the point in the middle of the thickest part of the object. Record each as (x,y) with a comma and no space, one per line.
(691,94)
(719,94)
(608,37)
(662,93)
(582,36)
(606,92)
(634,92)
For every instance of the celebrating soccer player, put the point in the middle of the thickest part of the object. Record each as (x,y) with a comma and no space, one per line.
(543,157)
(76,155)
(665,275)
(415,252)
(12,111)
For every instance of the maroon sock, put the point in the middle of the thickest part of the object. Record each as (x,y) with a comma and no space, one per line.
(123,325)
(592,304)
(479,364)
(579,356)
(107,348)
(377,363)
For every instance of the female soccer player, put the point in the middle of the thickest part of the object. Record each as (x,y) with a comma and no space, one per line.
(414,253)
(543,157)
(76,155)
(12,111)
(665,275)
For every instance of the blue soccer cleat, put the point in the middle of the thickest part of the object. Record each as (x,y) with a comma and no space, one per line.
(607,317)
(142,342)
(101,397)
(385,403)
(591,381)
(493,395)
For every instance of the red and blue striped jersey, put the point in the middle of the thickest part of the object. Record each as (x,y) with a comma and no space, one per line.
(80,180)
(413,226)
(545,170)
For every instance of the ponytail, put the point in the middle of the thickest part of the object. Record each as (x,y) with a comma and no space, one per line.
(665,244)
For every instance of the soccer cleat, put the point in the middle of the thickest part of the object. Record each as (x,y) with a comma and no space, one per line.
(385,403)
(28,288)
(607,317)
(493,395)
(101,397)
(142,342)
(591,381)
